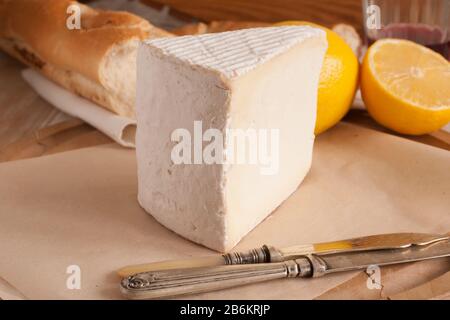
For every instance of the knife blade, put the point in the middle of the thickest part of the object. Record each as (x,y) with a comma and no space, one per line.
(170,283)
(268,254)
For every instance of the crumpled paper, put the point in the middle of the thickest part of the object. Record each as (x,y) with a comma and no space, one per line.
(79,208)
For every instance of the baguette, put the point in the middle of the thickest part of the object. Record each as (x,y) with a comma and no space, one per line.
(97,61)
(217,26)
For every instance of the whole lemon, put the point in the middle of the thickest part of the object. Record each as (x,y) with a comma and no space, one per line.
(338,79)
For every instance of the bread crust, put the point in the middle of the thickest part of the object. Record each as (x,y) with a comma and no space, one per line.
(35,32)
(217,26)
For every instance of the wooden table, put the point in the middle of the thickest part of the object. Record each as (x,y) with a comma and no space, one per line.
(325,12)
(30,127)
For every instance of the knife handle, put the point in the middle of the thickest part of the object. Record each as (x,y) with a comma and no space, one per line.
(264,254)
(209,261)
(163,284)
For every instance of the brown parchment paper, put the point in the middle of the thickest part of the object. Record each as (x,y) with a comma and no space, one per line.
(80,208)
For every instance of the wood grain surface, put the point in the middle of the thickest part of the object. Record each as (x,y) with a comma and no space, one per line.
(326,12)
(22,112)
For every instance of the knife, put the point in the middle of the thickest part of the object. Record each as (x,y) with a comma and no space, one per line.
(269,254)
(171,283)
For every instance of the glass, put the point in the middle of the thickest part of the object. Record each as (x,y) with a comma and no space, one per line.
(423,21)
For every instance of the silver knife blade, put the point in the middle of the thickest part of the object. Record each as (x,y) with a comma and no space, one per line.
(361,260)
(168,283)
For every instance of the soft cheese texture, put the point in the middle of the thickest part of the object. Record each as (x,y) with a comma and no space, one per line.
(264,78)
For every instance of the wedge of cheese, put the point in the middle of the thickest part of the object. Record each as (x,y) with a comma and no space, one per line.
(262,82)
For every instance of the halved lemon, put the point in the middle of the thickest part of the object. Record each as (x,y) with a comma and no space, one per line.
(406,86)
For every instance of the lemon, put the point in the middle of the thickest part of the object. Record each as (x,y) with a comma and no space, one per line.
(406,86)
(338,79)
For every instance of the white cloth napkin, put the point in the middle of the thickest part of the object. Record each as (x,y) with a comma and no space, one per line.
(120,129)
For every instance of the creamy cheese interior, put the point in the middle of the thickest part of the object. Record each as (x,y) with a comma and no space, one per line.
(274,89)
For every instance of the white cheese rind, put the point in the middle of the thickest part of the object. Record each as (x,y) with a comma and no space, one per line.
(234,53)
(216,205)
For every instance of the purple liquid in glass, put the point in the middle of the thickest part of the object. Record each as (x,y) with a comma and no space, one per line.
(429,36)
